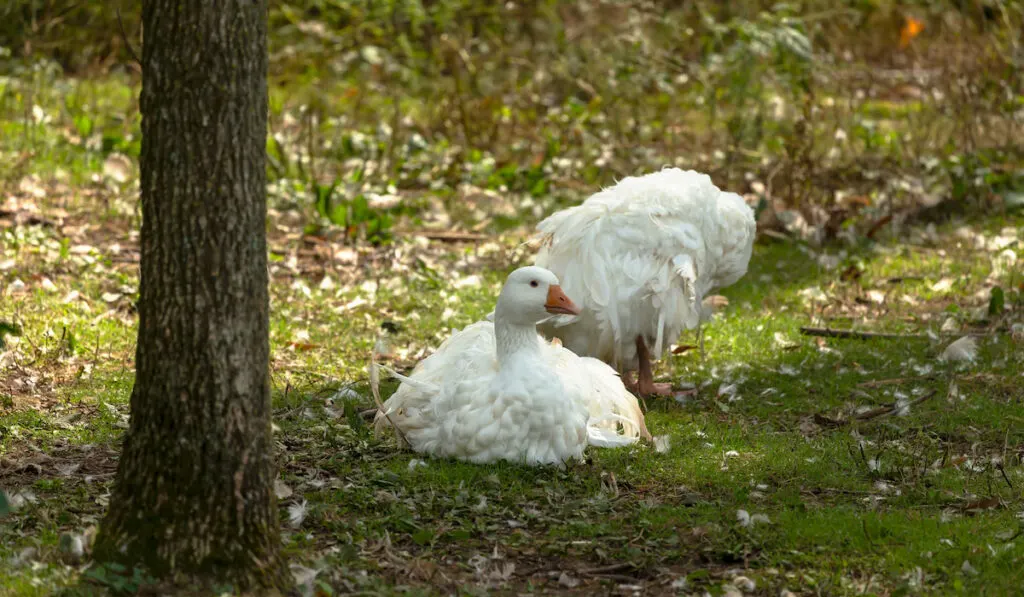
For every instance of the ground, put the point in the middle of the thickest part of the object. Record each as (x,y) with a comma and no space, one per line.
(787,461)
(767,472)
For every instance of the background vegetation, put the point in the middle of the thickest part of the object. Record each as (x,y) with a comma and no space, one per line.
(413,145)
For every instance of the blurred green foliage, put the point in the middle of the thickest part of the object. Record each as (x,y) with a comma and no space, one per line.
(813,101)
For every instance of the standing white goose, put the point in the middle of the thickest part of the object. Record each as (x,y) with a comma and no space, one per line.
(500,392)
(641,256)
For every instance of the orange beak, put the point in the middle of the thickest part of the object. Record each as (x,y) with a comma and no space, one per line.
(558,303)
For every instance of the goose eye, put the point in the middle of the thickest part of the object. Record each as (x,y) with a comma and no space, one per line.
(533,283)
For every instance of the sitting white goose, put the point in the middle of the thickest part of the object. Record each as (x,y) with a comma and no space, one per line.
(498,391)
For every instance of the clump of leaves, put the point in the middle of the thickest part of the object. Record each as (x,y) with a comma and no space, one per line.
(997,301)
(355,216)
(771,52)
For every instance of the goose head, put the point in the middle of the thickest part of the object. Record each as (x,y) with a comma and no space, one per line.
(530,295)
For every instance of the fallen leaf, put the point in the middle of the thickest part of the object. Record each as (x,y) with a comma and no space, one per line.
(985,504)
(744,584)
(567,581)
(117,167)
(48,285)
(911,29)
(783,342)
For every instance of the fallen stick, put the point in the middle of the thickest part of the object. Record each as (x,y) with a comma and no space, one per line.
(838,333)
(892,408)
(25,219)
(449,236)
(889,409)
(896,380)
(899,279)
(607,569)
(841,333)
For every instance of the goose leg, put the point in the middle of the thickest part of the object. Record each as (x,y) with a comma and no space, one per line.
(628,381)
(645,382)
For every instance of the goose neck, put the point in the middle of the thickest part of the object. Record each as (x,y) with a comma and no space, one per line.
(515,341)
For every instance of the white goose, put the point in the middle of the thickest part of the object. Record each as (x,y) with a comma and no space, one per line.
(641,257)
(498,391)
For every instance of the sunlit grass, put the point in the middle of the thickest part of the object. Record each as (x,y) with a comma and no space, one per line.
(871,501)
(926,500)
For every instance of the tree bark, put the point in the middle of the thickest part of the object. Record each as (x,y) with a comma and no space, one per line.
(193,494)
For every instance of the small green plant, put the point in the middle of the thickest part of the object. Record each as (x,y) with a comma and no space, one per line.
(8,329)
(752,59)
(354,216)
(996,301)
(117,578)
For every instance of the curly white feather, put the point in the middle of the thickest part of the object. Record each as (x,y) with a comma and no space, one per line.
(640,256)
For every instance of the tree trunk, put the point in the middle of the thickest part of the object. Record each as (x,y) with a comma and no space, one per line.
(194,489)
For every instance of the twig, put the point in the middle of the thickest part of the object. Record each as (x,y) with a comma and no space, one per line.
(864,526)
(833,490)
(1019,532)
(622,578)
(889,409)
(824,421)
(878,225)
(771,177)
(899,279)
(124,37)
(450,236)
(858,335)
(27,220)
(1002,471)
(607,569)
(895,380)
(892,408)
(838,333)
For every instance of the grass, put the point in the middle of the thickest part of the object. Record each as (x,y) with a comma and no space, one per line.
(897,503)
(369,167)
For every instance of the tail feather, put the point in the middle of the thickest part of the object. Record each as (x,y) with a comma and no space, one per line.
(608,438)
(415,383)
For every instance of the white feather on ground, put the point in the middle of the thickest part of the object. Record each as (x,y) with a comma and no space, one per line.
(963,350)
(297,513)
